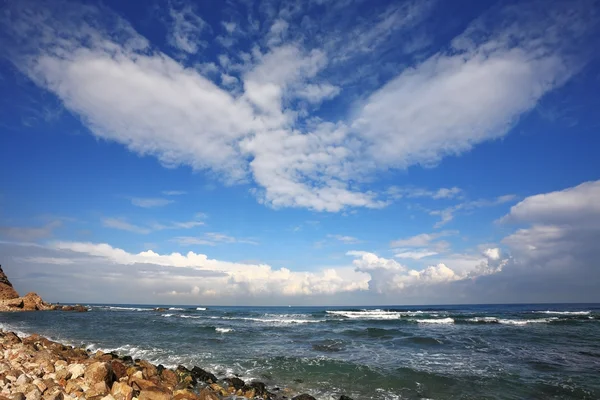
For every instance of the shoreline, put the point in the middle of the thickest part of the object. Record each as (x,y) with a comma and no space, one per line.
(37,368)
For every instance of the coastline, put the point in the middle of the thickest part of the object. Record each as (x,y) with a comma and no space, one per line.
(36,368)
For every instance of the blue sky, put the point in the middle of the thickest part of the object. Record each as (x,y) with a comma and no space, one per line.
(315,152)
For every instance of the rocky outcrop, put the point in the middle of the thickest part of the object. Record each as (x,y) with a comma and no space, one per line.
(7,292)
(11,301)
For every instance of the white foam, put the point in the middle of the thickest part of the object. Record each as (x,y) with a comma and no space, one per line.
(200,308)
(436,321)
(189,316)
(526,321)
(175,309)
(484,319)
(223,330)
(167,315)
(564,312)
(128,308)
(271,320)
(375,314)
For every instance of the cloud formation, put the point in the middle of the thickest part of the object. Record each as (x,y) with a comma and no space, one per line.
(257,123)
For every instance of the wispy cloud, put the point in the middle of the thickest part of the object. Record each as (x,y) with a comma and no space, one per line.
(344,239)
(447,214)
(122,224)
(26,234)
(149,202)
(211,239)
(174,192)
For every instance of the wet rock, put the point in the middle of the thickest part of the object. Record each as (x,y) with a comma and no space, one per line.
(236,383)
(259,388)
(344,397)
(203,376)
(304,396)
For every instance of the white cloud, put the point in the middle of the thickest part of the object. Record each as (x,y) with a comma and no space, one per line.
(147,202)
(578,205)
(229,26)
(421,240)
(344,239)
(119,223)
(185,30)
(125,91)
(416,254)
(211,239)
(447,214)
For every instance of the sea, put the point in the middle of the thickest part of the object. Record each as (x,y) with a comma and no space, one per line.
(525,351)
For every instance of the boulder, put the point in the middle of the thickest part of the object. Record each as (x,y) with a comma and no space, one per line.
(119,369)
(344,397)
(99,372)
(206,394)
(236,383)
(76,370)
(155,393)
(304,396)
(32,302)
(168,378)
(121,391)
(185,395)
(203,376)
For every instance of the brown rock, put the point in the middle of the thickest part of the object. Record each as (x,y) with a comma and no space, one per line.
(99,372)
(168,378)
(141,384)
(6,288)
(53,394)
(155,393)
(148,369)
(97,389)
(119,369)
(121,391)
(185,395)
(32,301)
(304,396)
(206,394)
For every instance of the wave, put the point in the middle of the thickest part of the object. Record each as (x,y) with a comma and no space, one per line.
(167,315)
(116,308)
(526,321)
(374,314)
(488,320)
(200,308)
(563,312)
(175,309)
(224,330)
(189,316)
(270,320)
(442,321)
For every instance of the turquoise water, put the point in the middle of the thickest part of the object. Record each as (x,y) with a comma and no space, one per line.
(429,352)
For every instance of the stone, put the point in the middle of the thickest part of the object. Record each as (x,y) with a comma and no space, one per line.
(121,391)
(17,396)
(99,372)
(168,378)
(119,369)
(97,389)
(141,384)
(76,370)
(155,393)
(40,385)
(184,395)
(33,394)
(258,387)
(344,397)
(304,396)
(148,369)
(237,383)
(203,375)
(23,379)
(63,374)
(108,397)
(54,394)
(206,394)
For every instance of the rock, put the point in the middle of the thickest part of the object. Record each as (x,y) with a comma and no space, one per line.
(108,397)
(53,394)
(344,397)
(155,393)
(7,291)
(63,374)
(17,396)
(32,301)
(168,378)
(236,383)
(119,369)
(33,394)
(203,375)
(97,389)
(141,384)
(304,396)
(206,394)
(76,370)
(160,309)
(22,380)
(99,372)
(259,388)
(148,369)
(121,391)
(184,395)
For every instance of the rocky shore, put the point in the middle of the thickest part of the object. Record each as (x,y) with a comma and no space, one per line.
(35,368)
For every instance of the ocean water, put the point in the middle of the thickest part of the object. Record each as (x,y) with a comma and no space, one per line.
(549,351)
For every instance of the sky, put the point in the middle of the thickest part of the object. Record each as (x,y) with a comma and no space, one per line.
(321,152)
